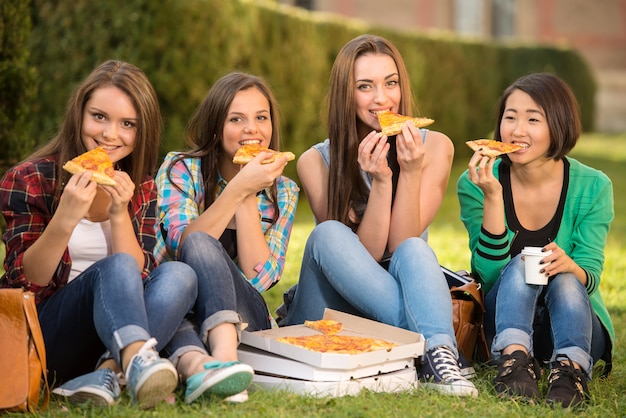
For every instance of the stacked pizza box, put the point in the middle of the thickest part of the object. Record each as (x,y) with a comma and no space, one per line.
(282,366)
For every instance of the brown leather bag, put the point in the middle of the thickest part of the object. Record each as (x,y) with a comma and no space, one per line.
(22,354)
(468,311)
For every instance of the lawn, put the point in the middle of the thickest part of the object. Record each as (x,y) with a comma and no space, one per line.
(449,241)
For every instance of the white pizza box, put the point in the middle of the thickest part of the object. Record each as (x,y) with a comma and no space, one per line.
(410,344)
(398,381)
(267,363)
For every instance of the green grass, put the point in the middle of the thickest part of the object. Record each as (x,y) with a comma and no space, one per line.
(448,238)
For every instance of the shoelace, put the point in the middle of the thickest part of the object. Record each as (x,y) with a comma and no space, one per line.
(110,380)
(514,365)
(446,364)
(567,371)
(146,354)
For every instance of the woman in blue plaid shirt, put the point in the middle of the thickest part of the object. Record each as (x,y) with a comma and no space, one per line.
(231,223)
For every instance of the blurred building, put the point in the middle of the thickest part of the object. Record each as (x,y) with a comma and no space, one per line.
(595,28)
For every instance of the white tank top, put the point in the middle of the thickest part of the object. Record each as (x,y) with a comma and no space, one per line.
(90,242)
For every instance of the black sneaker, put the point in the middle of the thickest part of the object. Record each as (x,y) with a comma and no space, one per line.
(567,385)
(440,371)
(517,376)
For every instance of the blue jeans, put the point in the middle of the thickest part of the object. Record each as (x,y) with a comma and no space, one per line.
(338,273)
(224,295)
(106,308)
(567,308)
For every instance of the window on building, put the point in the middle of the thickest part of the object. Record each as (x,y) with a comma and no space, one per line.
(503,18)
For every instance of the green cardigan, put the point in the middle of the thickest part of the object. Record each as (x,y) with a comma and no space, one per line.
(582,233)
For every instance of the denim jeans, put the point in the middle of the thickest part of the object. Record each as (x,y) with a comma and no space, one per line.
(105,308)
(519,313)
(338,273)
(224,295)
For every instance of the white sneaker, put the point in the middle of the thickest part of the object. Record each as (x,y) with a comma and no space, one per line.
(240,397)
(149,378)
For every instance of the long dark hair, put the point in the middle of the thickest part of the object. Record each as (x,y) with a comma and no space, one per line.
(205,130)
(346,187)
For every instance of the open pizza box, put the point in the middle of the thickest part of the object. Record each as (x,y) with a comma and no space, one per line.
(267,356)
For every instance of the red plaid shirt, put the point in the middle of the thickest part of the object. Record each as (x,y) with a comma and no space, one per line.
(27,202)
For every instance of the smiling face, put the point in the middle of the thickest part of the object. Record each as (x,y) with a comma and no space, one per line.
(248,121)
(524,122)
(377,87)
(110,121)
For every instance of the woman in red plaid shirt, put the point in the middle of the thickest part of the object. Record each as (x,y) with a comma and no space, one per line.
(85,250)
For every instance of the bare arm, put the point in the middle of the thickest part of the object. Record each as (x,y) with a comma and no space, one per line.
(313,175)
(424,175)
(42,258)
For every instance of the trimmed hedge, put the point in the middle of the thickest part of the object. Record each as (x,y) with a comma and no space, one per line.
(185,45)
(17,82)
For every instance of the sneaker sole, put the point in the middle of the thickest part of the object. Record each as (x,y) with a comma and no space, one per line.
(233,383)
(452,390)
(157,387)
(92,396)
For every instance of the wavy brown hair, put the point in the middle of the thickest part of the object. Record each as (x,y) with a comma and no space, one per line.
(346,187)
(68,142)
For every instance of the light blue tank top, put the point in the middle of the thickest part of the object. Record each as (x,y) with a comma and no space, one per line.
(324,149)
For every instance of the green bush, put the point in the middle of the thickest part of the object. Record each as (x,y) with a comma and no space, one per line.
(17,82)
(185,45)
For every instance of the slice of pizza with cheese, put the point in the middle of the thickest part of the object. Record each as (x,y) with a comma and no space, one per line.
(325,326)
(97,161)
(339,344)
(391,123)
(492,148)
(247,152)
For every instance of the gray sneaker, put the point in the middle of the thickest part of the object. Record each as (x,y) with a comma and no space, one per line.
(99,388)
(149,378)
(440,371)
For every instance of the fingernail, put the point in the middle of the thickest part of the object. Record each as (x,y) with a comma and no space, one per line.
(542,271)
(543,250)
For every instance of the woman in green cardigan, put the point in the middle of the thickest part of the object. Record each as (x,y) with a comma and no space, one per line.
(539,197)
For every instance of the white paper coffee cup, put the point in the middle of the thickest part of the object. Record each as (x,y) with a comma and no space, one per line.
(532,257)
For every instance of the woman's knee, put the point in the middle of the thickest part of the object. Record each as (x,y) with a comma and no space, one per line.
(179,274)
(199,247)
(414,247)
(326,230)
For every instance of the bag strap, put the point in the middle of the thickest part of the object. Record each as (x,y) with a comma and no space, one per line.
(473,289)
(30,310)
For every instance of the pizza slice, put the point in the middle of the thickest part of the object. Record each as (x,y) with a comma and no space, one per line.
(339,344)
(492,148)
(97,161)
(325,326)
(248,151)
(391,123)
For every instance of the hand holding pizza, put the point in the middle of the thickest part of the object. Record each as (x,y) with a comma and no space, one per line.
(77,196)
(121,193)
(372,157)
(258,174)
(480,172)
(410,148)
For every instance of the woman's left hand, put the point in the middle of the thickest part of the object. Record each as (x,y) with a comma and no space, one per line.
(120,194)
(410,148)
(558,261)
